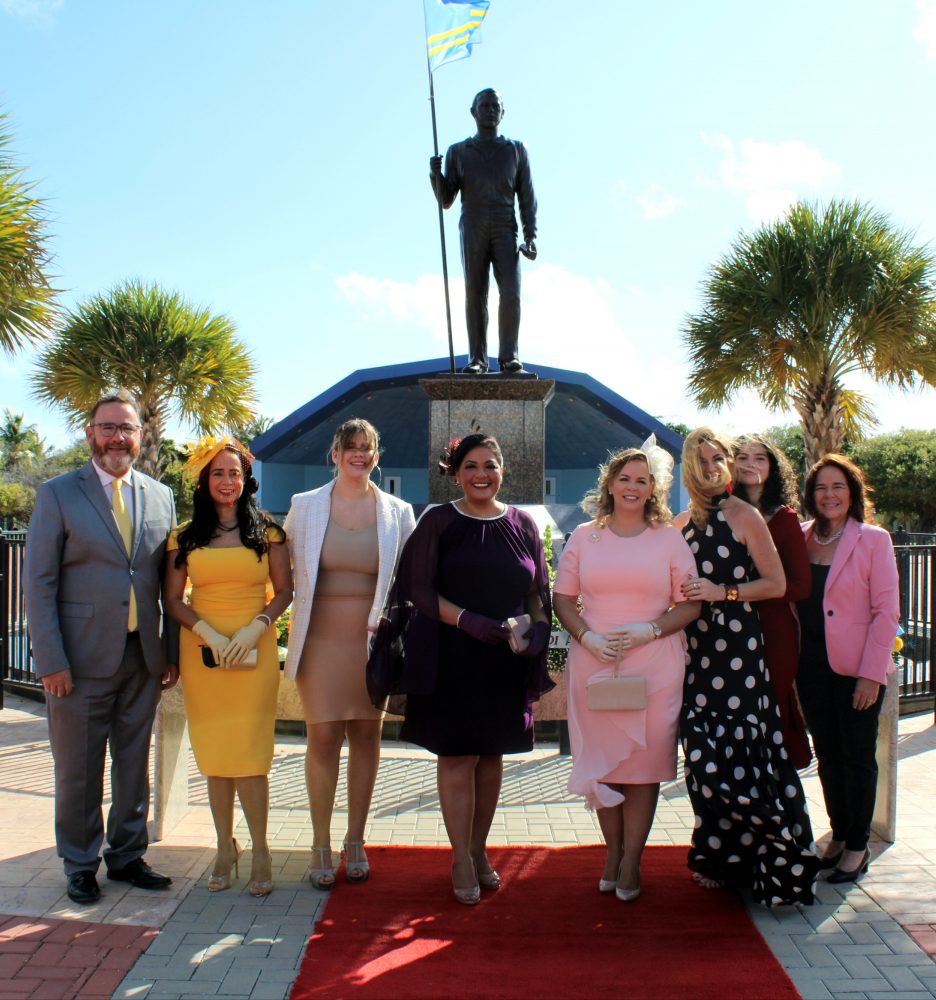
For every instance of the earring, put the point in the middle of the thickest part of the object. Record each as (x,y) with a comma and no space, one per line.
(379,476)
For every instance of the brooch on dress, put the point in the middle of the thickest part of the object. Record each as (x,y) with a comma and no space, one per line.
(594,537)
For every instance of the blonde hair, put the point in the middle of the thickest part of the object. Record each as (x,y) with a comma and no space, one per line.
(700,489)
(600,504)
(349,430)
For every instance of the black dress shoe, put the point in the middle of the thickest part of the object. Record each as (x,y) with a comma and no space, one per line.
(830,861)
(511,367)
(475,368)
(839,875)
(140,874)
(83,888)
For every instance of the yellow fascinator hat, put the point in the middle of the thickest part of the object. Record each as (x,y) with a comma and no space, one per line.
(202,452)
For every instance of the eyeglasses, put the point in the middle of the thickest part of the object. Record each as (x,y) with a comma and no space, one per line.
(108,430)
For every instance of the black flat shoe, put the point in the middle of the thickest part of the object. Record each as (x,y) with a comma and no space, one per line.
(83,888)
(140,874)
(830,861)
(475,368)
(839,876)
(510,367)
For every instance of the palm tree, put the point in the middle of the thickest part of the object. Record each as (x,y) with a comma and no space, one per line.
(20,443)
(802,303)
(176,359)
(27,300)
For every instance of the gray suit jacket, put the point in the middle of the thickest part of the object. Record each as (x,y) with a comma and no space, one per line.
(77,576)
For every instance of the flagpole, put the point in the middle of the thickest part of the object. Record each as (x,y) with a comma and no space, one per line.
(448,306)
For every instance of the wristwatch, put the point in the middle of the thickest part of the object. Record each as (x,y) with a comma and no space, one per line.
(657,631)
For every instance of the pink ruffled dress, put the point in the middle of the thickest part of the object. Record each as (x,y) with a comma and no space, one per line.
(623,580)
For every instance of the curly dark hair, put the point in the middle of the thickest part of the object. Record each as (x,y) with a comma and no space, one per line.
(780,486)
(254,523)
(453,460)
(859,506)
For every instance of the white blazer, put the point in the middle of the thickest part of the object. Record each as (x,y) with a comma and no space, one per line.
(305,526)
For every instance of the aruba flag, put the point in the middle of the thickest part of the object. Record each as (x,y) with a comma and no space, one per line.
(451,27)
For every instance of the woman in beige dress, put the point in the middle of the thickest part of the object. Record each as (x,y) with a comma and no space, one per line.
(344,539)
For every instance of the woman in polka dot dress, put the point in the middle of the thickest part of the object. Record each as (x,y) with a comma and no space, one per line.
(751,825)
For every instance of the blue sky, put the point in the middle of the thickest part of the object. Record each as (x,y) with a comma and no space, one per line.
(270,161)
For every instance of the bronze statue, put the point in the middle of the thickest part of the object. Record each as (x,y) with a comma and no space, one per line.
(490,171)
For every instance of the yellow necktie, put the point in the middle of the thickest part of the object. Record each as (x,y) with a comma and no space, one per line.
(125,526)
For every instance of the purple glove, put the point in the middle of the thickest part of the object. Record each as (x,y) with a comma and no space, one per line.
(482,628)
(538,637)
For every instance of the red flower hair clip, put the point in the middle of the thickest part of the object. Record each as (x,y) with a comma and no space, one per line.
(445,458)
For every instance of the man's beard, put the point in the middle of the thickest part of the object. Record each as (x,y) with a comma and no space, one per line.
(114,462)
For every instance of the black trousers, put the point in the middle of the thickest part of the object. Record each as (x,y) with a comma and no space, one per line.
(845,741)
(483,247)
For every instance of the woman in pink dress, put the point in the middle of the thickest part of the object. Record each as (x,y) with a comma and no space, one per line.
(617,592)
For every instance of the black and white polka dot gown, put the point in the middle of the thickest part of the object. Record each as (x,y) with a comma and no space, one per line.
(751,824)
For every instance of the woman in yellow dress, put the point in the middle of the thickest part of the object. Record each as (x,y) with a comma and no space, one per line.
(236,559)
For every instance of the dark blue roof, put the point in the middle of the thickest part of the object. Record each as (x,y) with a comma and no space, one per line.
(584,420)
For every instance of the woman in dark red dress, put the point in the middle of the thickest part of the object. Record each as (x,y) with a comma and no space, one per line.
(763,478)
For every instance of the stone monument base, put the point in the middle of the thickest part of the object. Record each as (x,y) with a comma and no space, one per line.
(511,409)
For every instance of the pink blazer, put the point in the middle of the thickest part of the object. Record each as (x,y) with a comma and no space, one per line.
(861,603)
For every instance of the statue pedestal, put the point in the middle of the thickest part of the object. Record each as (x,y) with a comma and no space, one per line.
(170,764)
(513,410)
(884,821)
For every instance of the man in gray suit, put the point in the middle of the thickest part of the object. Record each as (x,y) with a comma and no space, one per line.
(93,579)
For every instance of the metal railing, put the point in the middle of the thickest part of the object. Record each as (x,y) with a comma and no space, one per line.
(16,666)
(916,567)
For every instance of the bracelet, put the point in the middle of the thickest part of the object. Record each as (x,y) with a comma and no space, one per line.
(731,592)
(265,617)
(578,635)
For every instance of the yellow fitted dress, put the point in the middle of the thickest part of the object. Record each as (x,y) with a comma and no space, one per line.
(231,713)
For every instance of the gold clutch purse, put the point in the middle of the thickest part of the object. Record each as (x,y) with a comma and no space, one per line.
(612,694)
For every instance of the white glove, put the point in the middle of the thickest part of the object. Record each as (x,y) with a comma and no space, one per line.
(598,646)
(631,636)
(243,641)
(215,641)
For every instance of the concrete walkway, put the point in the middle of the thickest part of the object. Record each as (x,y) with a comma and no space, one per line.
(874,939)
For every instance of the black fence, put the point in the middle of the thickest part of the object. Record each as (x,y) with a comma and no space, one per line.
(916,565)
(15,654)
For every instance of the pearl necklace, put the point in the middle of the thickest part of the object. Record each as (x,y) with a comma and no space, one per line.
(830,539)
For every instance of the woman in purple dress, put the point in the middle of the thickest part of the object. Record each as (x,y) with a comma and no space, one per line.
(470,565)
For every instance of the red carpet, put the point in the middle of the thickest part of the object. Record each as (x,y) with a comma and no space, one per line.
(547,934)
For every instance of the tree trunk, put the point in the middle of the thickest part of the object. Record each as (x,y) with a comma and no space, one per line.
(820,412)
(150,460)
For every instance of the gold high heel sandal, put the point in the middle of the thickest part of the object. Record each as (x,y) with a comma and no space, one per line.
(261,886)
(489,879)
(219,881)
(322,876)
(470,895)
(357,868)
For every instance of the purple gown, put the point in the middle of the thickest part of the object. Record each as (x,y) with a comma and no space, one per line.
(466,696)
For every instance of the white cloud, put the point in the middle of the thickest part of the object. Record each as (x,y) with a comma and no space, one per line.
(624,336)
(39,11)
(925,29)
(771,174)
(563,313)
(655,203)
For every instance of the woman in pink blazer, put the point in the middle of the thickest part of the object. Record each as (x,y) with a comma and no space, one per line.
(848,628)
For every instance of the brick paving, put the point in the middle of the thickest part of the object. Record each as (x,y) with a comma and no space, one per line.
(875,939)
(46,958)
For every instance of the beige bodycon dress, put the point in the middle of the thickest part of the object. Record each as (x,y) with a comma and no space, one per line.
(330,678)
